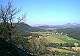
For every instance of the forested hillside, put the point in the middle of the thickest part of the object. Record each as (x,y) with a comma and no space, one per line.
(23,28)
(72,32)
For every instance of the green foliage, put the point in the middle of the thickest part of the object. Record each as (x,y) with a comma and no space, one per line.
(72,32)
(37,46)
(9,49)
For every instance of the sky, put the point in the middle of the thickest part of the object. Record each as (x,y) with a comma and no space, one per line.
(49,12)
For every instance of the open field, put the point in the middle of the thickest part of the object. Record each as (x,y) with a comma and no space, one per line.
(56,39)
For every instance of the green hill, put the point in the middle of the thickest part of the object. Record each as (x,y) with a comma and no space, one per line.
(72,32)
(23,28)
(61,39)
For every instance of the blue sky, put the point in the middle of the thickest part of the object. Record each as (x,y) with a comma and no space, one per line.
(50,12)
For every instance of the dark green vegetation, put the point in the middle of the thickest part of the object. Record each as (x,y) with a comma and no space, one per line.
(23,28)
(71,32)
(9,49)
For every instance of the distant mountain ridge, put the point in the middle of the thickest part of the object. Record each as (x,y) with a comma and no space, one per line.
(23,27)
(52,27)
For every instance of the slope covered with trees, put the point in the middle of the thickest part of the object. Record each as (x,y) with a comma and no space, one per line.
(71,32)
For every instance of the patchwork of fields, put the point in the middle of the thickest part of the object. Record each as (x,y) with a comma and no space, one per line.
(58,42)
(56,38)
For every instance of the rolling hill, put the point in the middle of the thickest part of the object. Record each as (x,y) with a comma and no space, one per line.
(23,27)
(71,32)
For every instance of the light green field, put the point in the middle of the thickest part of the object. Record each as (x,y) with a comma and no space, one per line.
(57,38)
(52,39)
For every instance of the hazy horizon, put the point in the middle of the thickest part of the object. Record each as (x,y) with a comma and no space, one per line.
(49,12)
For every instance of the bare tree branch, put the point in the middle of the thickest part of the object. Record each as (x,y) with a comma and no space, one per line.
(7,14)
